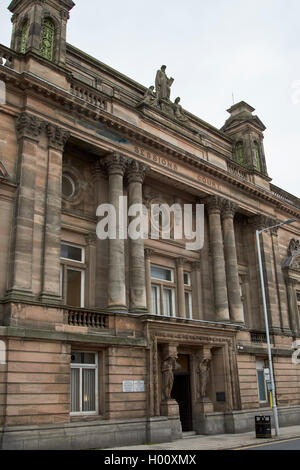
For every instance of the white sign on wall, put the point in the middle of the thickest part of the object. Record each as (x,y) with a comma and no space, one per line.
(130,386)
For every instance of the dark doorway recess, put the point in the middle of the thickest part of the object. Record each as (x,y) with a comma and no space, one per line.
(181,391)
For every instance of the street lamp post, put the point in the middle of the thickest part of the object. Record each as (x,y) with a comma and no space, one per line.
(258,232)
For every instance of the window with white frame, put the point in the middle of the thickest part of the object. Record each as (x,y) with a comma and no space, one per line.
(163,291)
(84,383)
(188,294)
(262,387)
(72,274)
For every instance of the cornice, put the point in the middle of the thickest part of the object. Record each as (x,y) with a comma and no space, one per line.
(25,81)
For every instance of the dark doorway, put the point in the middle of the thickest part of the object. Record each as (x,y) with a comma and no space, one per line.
(181,391)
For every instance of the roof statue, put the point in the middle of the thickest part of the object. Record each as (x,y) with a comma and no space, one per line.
(160,98)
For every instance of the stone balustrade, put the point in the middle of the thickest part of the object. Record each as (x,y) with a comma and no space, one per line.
(85,94)
(90,319)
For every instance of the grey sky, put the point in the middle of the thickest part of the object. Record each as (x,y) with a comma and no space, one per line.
(212,48)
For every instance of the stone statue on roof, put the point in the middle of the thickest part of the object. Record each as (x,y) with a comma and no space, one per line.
(163,84)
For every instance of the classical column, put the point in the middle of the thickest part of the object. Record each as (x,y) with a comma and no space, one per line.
(281,291)
(116,165)
(180,288)
(136,172)
(214,205)
(91,241)
(28,129)
(197,292)
(232,270)
(148,255)
(292,304)
(57,139)
(260,222)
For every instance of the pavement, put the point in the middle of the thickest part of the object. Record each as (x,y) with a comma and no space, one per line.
(216,442)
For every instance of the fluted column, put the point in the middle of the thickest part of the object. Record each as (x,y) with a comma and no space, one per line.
(292,304)
(148,255)
(135,175)
(116,165)
(197,291)
(214,206)
(29,130)
(180,287)
(57,139)
(232,270)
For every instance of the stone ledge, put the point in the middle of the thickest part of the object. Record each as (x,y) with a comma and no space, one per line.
(30,333)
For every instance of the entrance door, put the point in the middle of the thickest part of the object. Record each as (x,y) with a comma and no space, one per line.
(181,392)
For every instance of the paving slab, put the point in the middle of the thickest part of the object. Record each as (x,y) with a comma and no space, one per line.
(216,442)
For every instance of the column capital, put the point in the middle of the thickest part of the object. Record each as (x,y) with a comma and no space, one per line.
(29,126)
(57,137)
(180,262)
(91,238)
(148,253)
(97,170)
(196,266)
(136,171)
(115,163)
(213,204)
(229,209)
(290,281)
(261,221)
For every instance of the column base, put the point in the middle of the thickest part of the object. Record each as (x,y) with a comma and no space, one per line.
(48,298)
(169,408)
(204,406)
(17,295)
(117,308)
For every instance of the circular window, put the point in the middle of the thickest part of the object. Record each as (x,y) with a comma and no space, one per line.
(68,186)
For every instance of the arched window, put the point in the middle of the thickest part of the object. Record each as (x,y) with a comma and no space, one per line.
(24,38)
(48,37)
(240,153)
(257,156)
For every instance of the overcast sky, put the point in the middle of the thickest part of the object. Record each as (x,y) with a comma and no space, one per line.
(213,49)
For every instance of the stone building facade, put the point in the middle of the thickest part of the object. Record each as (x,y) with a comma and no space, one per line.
(116,341)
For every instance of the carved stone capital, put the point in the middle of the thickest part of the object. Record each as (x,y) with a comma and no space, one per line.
(91,238)
(180,262)
(196,266)
(115,164)
(229,209)
(136,171)
(97,171)
(29,126)
(148,253)
(260,221)
(290,281)
(213,204)
(57,137)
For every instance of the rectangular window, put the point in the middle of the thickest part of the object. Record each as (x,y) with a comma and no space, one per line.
(72,252)
(188,304)
(187,279)
(262,388)
(163,291)
(84,368)
(72,275)
(162,274)
(155,299)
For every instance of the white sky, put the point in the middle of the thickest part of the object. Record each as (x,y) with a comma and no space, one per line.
(212,48)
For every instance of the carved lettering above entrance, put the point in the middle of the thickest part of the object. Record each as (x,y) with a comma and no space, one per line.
(170,165)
